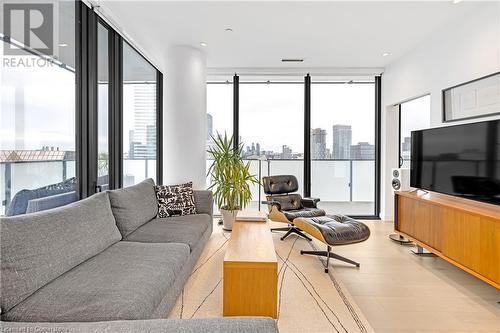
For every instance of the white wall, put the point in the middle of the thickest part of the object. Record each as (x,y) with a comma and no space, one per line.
(459,52)
(184,117)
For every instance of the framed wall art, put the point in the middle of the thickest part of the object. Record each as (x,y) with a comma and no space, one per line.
(473,99)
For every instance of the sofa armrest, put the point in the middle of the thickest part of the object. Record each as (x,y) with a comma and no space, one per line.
(310,202)
(204,202)
(272,203)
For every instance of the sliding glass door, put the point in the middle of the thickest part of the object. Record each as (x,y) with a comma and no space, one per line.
(343,146)
(139,117)
(219,117)
(37,116)
(271,128)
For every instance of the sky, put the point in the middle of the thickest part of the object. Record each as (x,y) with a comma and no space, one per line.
(45,98)
(273,114)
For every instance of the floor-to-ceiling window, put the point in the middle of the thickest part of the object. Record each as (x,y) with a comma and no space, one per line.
(271,129)
(343,146)
(219,115)
(65,100)
(102,106)
(413,115)
(139,117)
(37,113)
(343,139)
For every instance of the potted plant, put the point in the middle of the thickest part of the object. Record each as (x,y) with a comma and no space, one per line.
(230,178)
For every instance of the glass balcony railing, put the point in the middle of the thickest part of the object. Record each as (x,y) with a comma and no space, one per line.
(136,170)
(344,186)
(19,175)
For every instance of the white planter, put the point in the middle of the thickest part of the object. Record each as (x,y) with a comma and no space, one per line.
(228,217)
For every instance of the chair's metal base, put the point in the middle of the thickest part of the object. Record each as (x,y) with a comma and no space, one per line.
(291,229)
(328,254)
(400,239)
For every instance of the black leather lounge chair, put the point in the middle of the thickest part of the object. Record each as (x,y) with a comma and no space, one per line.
(285,205)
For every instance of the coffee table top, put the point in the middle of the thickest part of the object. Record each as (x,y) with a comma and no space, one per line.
(250,242)
(251,215)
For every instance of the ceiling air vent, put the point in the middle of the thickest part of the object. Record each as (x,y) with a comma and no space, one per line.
(292,60)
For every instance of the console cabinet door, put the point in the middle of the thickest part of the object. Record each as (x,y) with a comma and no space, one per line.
(460,233)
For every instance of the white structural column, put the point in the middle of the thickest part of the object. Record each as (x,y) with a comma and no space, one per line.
(184,117)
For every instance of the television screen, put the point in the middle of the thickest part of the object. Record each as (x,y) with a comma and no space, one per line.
(462,160)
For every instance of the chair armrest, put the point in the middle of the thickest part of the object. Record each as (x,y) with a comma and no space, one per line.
(310,202)
(52,201)
(272,203)
(204,202)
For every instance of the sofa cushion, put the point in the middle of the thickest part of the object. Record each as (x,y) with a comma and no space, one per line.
(186,229)
(175,200)
(205,325)
(126,281)
(37,248)
(134,205)
(204,201)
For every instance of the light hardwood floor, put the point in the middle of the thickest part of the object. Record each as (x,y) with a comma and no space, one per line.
(399,291)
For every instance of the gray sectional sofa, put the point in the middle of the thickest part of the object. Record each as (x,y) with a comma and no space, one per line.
(106,263)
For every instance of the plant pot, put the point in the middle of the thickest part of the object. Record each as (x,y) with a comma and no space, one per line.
(228,217)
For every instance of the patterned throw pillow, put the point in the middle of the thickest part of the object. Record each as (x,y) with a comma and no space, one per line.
(175,200)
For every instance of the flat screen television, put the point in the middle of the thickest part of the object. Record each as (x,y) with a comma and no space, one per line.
(461,160)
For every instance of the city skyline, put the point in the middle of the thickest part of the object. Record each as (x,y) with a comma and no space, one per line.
(342,148)
(142,138)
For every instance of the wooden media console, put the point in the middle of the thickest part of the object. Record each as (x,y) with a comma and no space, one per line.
(464,232)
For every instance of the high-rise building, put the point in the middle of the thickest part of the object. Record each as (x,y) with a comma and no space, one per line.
(318,144)
(142,139)
(406,148)
(363,151)
(131,144)
(286,152)
(151,141)
(210,126)
(257,149)
(342,139)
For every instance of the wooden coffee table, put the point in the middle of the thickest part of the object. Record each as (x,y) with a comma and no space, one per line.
(250,271)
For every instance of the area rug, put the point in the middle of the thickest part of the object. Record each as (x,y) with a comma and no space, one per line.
(309,300)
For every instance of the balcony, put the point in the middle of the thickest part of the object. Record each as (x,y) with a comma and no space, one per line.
(344,186)
(18,175)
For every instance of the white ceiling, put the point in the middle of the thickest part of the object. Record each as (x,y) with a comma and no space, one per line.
(326,33)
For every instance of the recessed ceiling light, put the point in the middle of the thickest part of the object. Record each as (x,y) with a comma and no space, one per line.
(456,1)
(228,30)
(203,44)
(385,54)
(63,45)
